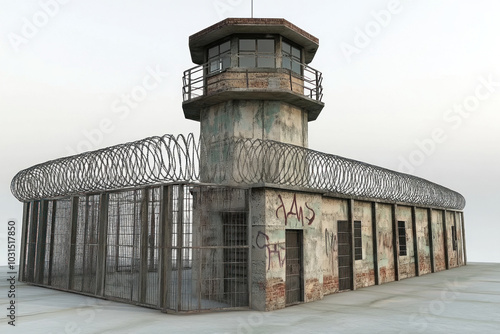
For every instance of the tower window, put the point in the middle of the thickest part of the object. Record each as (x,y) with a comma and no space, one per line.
(219,57)
(402,238)
(256,53)
(291,57)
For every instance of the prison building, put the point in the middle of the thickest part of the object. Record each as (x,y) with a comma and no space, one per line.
(244,217)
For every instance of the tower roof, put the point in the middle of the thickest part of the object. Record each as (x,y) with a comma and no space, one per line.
(227,27)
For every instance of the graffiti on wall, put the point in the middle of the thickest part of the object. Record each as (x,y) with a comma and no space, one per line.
(303,216)
(330,246)
(330,242)
(273,249)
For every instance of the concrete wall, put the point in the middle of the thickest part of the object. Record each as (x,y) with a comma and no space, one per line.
(364,268)
(406,262)
(275,211)
(385,243)
(438,240)
(269,120)
(424,257)
(333,210)
(256,119)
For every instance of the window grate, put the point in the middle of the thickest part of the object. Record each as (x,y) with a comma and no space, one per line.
(402,238)
(358,245)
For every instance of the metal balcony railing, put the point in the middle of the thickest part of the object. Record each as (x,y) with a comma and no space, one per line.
(202,80)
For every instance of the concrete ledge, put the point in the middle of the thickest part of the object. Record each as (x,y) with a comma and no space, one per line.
(192,108)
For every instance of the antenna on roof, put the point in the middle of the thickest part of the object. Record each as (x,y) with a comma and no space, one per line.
(252,9)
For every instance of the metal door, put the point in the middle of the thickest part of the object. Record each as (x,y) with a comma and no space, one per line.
(293,286)
(345,255)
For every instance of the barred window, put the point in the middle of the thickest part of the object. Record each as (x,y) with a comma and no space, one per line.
(358,245)
(402,238)
(454,237)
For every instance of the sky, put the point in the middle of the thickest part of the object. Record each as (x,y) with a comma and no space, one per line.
(409,85)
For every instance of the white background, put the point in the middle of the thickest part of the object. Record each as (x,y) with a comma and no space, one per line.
(390,82)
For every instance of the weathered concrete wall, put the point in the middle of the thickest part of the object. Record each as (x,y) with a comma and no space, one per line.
(406,262)
(269,120)
(333,210)
(273,120)
(438,240)
(261,289)
(385,243)
(209,206)
(454,255)
(365,268)
(424,255)
(275,211)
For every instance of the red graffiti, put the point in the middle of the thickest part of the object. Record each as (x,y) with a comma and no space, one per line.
(262,241)
(296,211)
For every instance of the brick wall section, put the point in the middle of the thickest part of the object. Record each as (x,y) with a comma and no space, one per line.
(314,290)
(256,78)
(330,284)
(387,274)
(365,279)
(275,294)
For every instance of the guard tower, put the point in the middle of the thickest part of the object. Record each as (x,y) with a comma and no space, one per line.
(252,81)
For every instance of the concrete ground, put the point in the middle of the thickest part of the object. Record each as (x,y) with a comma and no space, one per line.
(465,300)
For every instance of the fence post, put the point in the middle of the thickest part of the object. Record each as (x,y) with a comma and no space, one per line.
(31,241)
(165,245)
(102,241)
(41,241)
(143,269)
(24,244)
(72,243)
(180,222)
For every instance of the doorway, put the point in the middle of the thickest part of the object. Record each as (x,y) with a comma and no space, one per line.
(294,274)
(345,255)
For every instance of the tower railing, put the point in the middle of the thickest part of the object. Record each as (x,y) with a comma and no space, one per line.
(215,76)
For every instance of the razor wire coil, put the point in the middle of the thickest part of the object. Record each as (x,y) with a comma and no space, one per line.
(236,161)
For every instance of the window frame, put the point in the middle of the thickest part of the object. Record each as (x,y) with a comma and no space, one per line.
(221,59)
(255,53)
(291,57)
